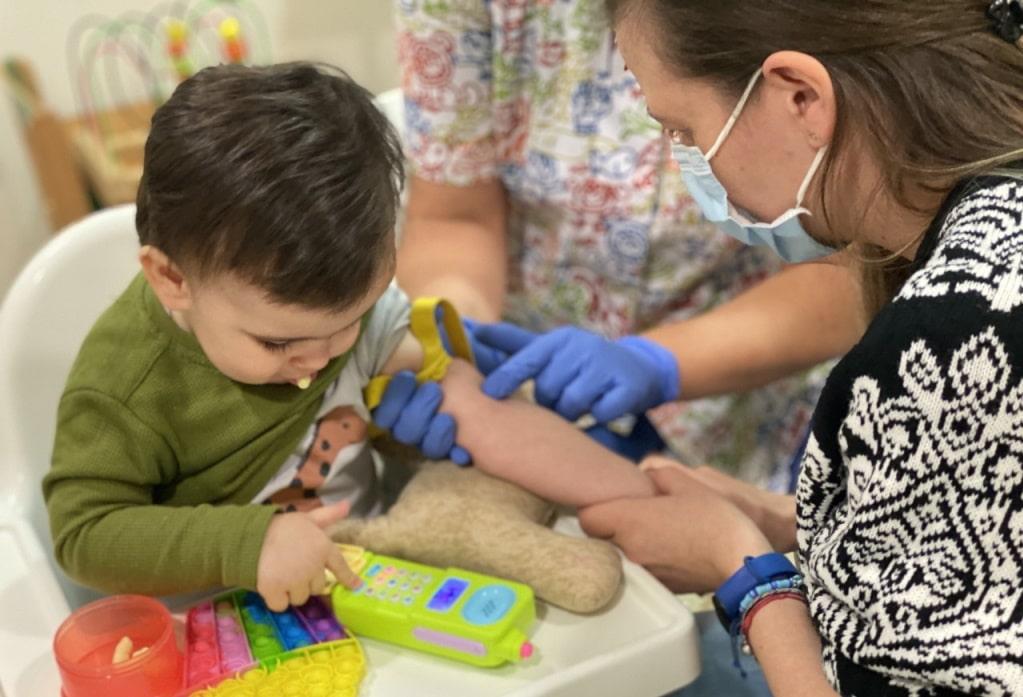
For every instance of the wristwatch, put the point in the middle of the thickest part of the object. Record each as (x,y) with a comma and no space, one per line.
(755,571)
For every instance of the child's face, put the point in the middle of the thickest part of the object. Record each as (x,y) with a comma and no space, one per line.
(254,341)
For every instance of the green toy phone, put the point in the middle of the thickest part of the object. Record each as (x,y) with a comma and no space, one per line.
(454,613)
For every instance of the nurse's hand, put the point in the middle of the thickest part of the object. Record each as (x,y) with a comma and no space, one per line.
(487,358)
(577,372)
(410,412)
(689,537)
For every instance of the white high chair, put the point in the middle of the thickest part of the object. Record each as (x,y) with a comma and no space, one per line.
(644,645)
(43,320)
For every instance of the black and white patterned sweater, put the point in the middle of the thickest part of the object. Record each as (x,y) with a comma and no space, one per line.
(910,503)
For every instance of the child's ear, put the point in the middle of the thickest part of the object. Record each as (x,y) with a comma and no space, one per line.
(166,279)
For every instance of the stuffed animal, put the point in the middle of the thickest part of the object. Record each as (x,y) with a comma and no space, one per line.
(462,517)
(449,516)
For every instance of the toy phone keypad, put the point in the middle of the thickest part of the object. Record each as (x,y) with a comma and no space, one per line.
(455,613)
(395,584)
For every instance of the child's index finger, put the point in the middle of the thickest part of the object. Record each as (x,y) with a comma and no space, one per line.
(339,568)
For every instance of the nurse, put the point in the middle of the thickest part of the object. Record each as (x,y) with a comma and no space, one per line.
(542,193)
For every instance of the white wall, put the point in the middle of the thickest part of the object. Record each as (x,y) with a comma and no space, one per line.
(355,34)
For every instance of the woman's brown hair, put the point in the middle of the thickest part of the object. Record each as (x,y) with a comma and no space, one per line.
(934,82)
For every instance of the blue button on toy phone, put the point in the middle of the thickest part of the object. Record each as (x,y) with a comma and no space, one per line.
(488,605)
(455,613)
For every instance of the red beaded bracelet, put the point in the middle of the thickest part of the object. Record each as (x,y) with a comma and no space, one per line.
(747,619)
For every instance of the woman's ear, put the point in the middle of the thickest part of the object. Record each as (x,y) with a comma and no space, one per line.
(166,279)
(809,93)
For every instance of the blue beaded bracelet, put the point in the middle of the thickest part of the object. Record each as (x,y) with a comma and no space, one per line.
(793,582)
(738,641)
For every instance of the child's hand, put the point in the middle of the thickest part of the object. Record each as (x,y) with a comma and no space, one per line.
(296,550)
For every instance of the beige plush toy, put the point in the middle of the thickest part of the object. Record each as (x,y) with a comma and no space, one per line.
(465,518)
(450,516)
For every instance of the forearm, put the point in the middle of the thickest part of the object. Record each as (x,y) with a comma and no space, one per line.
(535,448)
(774,514)
(788,649)
(456,252)
(804,315)
(778,522)
(456,265)
(161,550)
(108,532)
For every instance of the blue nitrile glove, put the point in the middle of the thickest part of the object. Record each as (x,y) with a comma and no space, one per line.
(409,411)
(578,372)
(487,357)
(643,440)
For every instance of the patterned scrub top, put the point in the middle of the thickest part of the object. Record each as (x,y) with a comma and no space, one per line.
(601,231)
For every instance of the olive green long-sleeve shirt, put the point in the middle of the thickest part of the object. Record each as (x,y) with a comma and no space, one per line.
(158,455)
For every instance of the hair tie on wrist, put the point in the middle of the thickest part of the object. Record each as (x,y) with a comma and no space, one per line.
(1007,19)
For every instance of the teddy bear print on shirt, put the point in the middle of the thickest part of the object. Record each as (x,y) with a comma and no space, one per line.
(338,429)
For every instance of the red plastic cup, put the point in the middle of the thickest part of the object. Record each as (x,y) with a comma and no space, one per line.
(84,648)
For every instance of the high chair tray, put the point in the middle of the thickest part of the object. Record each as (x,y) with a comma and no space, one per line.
(644,645)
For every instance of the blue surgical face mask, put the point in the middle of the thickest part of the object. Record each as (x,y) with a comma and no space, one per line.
(785,235)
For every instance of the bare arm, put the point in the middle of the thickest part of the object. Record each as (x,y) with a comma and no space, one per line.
(788,649)
(804,315)
(535,448)
(774,514)
(407,356)
(692,539)
(453,246)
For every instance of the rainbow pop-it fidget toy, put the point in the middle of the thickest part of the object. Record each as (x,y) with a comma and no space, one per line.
(236,641)
(334,669)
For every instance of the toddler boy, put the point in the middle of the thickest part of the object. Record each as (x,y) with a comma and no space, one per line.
(229,373)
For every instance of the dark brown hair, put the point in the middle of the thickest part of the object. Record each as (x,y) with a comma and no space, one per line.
(286,176)
(938,90)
